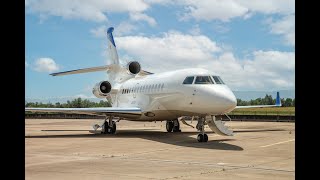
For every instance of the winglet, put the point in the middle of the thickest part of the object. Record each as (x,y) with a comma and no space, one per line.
(278,101)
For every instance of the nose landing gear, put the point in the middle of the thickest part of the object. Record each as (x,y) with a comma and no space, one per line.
(200,127)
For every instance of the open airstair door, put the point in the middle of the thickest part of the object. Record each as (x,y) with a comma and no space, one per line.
(218,126)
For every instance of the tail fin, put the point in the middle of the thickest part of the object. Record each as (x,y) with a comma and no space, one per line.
(278,100)
(112,47)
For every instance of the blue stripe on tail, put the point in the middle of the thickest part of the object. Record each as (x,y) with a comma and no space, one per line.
(110,37)
(278,101)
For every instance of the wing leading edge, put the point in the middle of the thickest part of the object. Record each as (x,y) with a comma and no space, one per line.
(132,112)
(278,104)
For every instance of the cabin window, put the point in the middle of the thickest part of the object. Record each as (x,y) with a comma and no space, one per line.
(217,79)
(188,80)
(203,80)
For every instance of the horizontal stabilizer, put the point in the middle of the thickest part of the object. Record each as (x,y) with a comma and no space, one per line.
(84,70)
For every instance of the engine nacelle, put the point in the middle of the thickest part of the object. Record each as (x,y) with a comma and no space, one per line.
(102,89)
(133,67)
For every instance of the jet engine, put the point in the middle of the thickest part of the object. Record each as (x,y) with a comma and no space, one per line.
(102,89)
(133,67)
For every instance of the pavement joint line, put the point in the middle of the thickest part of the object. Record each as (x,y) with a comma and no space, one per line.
(278,143)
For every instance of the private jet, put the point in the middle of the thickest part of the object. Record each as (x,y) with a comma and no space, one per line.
(173,96)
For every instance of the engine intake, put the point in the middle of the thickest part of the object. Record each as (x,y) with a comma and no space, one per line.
(102,89)
(133,67)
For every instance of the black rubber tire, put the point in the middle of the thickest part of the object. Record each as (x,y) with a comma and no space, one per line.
(176,128)
(113,127)
(205,138)
(169,126)
(106,128)
(200,138)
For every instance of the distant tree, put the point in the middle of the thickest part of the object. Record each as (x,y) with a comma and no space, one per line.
(294,102)
(288,102)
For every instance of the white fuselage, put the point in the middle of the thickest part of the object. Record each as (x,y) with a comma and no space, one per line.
(163,96)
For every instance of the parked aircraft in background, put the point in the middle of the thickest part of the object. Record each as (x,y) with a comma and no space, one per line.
(173,96)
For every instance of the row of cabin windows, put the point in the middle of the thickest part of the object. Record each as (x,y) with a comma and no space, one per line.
(203,80)
(144,88)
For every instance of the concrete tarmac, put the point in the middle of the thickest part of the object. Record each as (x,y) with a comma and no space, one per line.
(64,149)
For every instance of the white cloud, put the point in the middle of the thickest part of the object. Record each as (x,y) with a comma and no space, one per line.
(26,64)
(265,70)
(213,9)
(45,65)
(94,10)
(270,6)
(285,27)
(143,17)
(125,28)
(225,10)
(99,32)
(195,30)
(172,46)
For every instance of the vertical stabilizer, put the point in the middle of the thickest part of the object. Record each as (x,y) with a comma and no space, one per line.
(278,101)
(112,47)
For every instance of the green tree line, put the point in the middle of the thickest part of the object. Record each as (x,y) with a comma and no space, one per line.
(267,100)
(76,103)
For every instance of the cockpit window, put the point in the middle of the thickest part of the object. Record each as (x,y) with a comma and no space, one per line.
(203,80)
(188,80)
(217,79)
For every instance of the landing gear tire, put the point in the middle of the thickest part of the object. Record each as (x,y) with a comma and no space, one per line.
(109,129)
(105,128)
(202,138)
(113,128)
(176,126)
(169,126)
(205,138)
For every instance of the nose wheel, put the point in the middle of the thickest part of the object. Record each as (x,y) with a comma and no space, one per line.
(200,127)
(202,138)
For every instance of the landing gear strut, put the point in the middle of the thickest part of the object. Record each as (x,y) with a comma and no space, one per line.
(173,126)
(109,127)
(200,127)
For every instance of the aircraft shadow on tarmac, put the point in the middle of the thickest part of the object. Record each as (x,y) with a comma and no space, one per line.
(179,139)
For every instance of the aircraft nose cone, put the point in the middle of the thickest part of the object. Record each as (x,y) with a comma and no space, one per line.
(228,99)
(231,101)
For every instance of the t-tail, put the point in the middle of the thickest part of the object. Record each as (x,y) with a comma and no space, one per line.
(112,50)
(116,72)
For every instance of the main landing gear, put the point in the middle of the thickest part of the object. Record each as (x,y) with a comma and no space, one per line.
(109,127)
(200,127)
(173,126)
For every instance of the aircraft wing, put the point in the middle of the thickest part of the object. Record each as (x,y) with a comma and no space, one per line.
(257,106)
(278,104)
(132,112)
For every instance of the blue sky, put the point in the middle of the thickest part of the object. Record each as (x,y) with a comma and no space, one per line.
(251,44)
